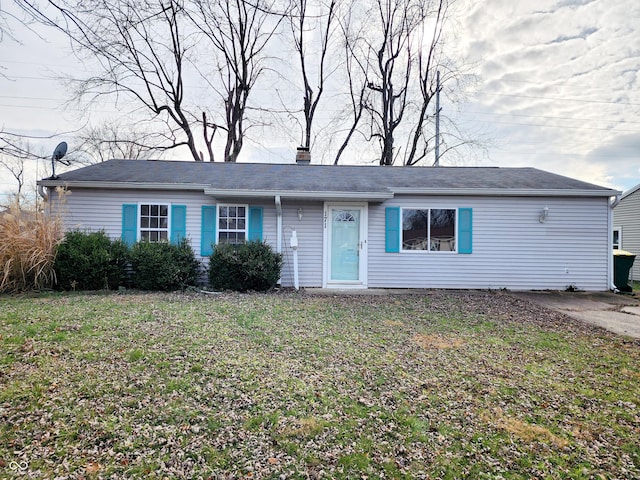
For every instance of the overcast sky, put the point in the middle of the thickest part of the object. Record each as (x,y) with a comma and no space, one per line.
(558,88)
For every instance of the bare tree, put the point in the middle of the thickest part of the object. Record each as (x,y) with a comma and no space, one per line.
(300,29)
(13,145)
(193,66)
(15,152)
(356,71)
(7,18)
(238,32)
(401,45)
(112,140)
(142,50)
(15,166)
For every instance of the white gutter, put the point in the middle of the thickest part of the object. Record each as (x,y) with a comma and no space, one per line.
(42,193)
(615,201)
(329,195)
(123,185)
(299,194)
(278,224)
(612,203)
(219,192)
(504,192)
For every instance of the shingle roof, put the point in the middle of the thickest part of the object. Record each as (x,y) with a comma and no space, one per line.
(329,179)
(631,191)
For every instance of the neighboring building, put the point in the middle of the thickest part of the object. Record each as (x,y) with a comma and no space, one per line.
(362,226)
(626,226)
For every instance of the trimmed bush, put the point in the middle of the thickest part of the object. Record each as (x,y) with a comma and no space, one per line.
(163,266)
(91,261)
(248,266)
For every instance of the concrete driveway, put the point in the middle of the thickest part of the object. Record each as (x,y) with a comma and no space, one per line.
(617,313)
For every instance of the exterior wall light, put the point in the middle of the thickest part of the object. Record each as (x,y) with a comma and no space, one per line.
(544,215)
(300,214)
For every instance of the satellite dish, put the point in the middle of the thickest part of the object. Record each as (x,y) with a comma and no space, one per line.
(58,153)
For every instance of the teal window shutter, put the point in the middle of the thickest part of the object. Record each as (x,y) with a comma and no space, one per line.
(392,229)
(178,223)
(465,234)
(129,223)
(255,224)
(208,231)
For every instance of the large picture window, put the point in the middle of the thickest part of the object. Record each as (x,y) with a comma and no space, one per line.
(232,224)
(154,222)
(431,229)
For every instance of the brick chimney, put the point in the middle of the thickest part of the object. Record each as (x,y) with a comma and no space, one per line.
(303,156)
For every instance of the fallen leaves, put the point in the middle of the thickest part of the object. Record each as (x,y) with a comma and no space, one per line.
(438,342)
(457,384)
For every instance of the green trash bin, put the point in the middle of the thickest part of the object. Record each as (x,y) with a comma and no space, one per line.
(622,263)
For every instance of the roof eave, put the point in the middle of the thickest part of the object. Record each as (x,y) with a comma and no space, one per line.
(217,192)
(328,195)
(631,191)
(505,192)
(298,194)
(48,182)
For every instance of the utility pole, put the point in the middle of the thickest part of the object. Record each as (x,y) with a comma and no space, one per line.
(437,161)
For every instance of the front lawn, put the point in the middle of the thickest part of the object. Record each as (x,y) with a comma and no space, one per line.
(443,385)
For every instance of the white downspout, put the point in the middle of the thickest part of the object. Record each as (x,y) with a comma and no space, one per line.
(612,203)
(294,247)
(278,224)
(278,228)
(42,193)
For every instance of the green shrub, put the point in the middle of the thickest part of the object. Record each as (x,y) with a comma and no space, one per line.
(248,266)
(90,261)
(163,266)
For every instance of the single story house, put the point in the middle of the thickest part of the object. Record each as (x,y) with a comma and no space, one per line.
(361,226)
(626,226)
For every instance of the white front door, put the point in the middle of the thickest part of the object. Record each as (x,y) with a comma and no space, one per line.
(345,227)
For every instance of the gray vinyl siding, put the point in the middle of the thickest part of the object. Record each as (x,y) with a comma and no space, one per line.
(309,233)
(95,209)
(511,248)
(626,215)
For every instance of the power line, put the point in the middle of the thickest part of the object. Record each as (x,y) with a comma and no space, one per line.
(549,117)
(582,100)
(565,127)
(27,98)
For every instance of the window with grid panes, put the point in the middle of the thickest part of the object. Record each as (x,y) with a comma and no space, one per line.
(154,222)
(232,224)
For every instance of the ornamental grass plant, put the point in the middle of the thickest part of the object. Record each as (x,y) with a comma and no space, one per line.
(28,241)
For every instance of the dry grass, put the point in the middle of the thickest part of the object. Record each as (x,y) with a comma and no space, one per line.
(28,241)
(529,433)
(303,428)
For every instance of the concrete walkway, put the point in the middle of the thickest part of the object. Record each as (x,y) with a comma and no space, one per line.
(617,313)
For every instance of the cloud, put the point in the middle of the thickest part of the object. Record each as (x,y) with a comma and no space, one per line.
(559,85)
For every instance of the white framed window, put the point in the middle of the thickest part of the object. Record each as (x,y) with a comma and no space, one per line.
(429,229)
(617,238)
(154,222)
(232,223)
